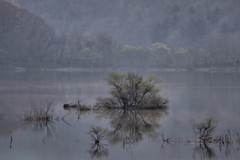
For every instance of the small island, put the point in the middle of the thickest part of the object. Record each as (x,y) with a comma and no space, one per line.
(131,91)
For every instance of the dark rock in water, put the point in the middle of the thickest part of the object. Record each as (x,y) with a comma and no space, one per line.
(96,141)
(67,106)
(70,106)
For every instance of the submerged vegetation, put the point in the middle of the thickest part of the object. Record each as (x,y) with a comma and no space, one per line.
(130,126)
(230,141)
(205,129)
(135,115)
(132,92)
(39,114)
(40,119)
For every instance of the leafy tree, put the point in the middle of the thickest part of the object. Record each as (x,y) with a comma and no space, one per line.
(180,57)
(204,129)
(194,55)
(132,92)
(89,58)
(128,56)
(131,56)
(162,54)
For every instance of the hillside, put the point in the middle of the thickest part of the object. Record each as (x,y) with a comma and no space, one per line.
(25,39)
(139,22)
(154,33)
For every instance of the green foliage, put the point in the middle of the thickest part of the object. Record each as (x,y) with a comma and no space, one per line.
(131,91)
(162,55)
(27,41)
(131,56)
(89,58)
(85,107)
(160,47)
(98,129)
(39,117)
(205,129)
(180,57)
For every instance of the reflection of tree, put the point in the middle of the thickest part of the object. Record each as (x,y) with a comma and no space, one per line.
(204,130)
(129,126)
(98,149)
(204,152)
(40,126)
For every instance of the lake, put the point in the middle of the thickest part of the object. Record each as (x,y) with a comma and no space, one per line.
(135,135)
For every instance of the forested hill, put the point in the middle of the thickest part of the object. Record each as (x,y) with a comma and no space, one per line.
(140,22)
(24,37)
(134,33)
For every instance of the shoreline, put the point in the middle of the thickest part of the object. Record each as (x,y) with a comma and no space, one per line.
(71,69)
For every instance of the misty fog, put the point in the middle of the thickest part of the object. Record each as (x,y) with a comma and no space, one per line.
(155,34)
(65,93)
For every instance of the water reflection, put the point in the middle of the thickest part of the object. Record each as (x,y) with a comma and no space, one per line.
(202,151)
(227,142)
(192,95)
(129,126)
(41,126)
(98,148)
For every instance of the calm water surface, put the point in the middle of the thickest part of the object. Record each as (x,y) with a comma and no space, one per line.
(131,135)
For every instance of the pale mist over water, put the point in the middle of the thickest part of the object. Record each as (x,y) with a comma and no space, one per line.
(193,96)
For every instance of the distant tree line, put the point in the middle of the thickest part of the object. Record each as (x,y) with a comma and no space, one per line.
(189,36)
